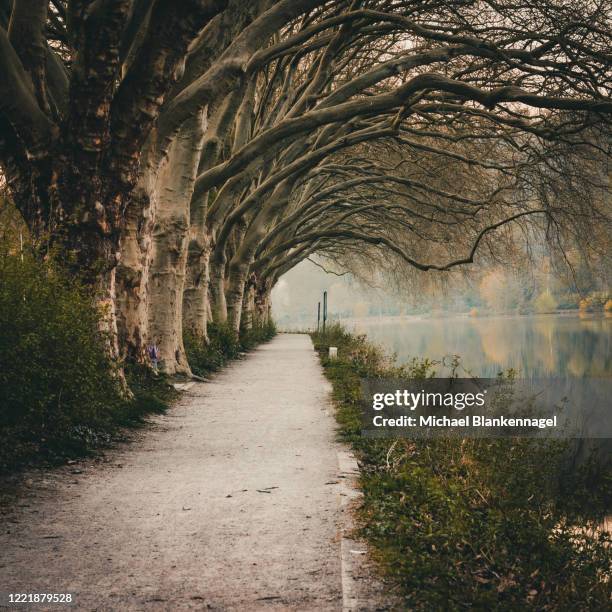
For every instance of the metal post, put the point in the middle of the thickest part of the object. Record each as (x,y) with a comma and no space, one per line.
(318,316)
(324,309)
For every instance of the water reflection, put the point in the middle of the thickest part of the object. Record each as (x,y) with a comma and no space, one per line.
(536,346)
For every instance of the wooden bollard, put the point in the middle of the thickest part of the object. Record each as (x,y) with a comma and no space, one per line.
(333,352)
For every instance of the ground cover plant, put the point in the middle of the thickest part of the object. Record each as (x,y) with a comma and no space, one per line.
(60,395)
(484,524)
(211,354)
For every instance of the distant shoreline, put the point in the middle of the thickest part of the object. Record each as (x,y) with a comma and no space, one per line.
(463,316)
(574,313)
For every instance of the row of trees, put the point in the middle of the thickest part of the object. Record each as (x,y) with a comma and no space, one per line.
(182,156)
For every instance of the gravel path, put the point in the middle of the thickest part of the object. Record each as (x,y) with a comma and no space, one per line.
(230,501)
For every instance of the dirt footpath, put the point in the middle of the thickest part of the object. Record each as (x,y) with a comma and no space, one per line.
(230,501)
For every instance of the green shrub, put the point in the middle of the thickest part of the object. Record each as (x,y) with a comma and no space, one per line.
(54,375)
(257,333)
(59,393)
(210,355)
(222,346)
(486,524)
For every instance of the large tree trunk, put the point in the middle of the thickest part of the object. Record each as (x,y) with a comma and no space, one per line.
(133,267)
(218,304)
(131,273)
(196,304)
(262,302)
(77,221)
(169,248)
(71,152)
(249,317)
(246,248)
(238,273)
(196,309)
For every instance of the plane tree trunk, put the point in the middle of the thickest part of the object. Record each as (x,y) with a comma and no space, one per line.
(169,250)
(71,142)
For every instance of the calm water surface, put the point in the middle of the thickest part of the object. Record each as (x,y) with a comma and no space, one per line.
(536,346)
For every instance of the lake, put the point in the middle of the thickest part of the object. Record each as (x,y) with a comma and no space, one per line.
(537,346)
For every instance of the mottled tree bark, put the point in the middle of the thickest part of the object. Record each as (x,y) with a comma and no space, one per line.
(238,273)
(249,317)
(73,164)
(169,246)
(196,295)
(133,267)
(218,304)
(196,308)
(242,259)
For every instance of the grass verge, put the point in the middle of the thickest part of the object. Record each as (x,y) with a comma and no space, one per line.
(222,345)
(502,524)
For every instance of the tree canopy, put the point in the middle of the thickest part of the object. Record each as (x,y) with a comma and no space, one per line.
(183,156)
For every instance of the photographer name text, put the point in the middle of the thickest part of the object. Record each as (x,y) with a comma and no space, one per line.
(466,421)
